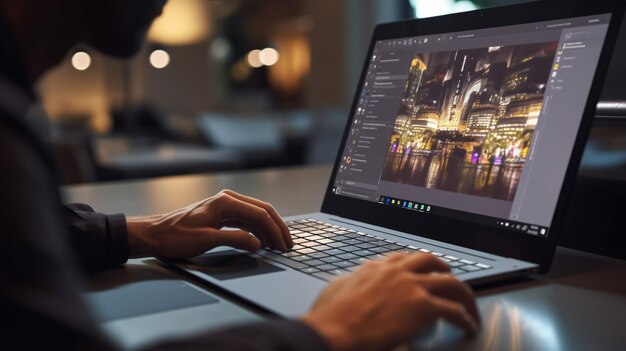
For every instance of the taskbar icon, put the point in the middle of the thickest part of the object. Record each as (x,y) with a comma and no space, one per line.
(406,204)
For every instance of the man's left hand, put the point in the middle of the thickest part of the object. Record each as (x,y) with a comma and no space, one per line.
(197,228)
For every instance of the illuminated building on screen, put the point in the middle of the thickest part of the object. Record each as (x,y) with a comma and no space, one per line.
(486,101)
(461,67)
(412,86)
(467,119)
(480,120)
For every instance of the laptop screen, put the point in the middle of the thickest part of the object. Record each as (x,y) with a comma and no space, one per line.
(475,125)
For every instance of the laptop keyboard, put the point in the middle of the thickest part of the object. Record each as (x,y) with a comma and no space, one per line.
(325,251)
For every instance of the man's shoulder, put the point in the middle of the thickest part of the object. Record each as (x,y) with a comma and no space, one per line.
(17,118)
(13,100)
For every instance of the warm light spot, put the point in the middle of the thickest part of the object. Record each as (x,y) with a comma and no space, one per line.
(288,74)
(159,59)
(269,56)
(81,61)
(254,59)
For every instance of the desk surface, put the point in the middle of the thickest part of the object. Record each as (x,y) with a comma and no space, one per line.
(579,305)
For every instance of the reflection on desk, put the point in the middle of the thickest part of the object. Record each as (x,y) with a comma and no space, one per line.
(539,317)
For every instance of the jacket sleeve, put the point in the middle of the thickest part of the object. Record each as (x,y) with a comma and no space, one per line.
(100,241)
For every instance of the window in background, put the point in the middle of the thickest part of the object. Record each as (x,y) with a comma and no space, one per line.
(430,8)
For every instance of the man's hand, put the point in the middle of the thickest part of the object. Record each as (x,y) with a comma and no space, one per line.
(388,302)
(195,229)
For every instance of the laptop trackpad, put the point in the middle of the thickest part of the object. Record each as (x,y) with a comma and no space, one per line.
(146,297)
(230,264)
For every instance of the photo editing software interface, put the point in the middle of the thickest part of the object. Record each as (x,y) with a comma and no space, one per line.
(475,125)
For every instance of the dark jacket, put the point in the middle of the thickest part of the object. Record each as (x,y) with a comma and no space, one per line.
(46,247)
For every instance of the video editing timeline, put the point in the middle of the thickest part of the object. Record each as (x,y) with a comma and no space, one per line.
(468,122)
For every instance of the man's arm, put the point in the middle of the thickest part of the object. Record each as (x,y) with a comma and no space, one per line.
(99,240)
(104,241)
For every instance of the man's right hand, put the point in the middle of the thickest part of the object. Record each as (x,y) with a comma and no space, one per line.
(388,302)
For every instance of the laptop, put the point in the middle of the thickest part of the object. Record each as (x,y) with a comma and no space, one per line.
(463,141)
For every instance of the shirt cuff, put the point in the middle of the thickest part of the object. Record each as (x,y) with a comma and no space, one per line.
(117,239)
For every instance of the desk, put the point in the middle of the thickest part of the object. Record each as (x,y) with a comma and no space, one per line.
(579,305)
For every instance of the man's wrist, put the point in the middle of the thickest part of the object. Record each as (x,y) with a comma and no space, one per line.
(139,240)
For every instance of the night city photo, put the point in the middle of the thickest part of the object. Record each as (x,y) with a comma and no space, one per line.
(467,118)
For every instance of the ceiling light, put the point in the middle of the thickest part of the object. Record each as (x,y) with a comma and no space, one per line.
(254,59)
(269,56)
(81,61)
(159,59)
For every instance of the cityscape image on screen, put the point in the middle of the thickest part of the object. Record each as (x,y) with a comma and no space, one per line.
(467,118)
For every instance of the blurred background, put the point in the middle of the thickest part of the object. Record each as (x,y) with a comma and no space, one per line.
(241,84)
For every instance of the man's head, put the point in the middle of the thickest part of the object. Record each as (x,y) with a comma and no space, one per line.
(118,27)
(45,31)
